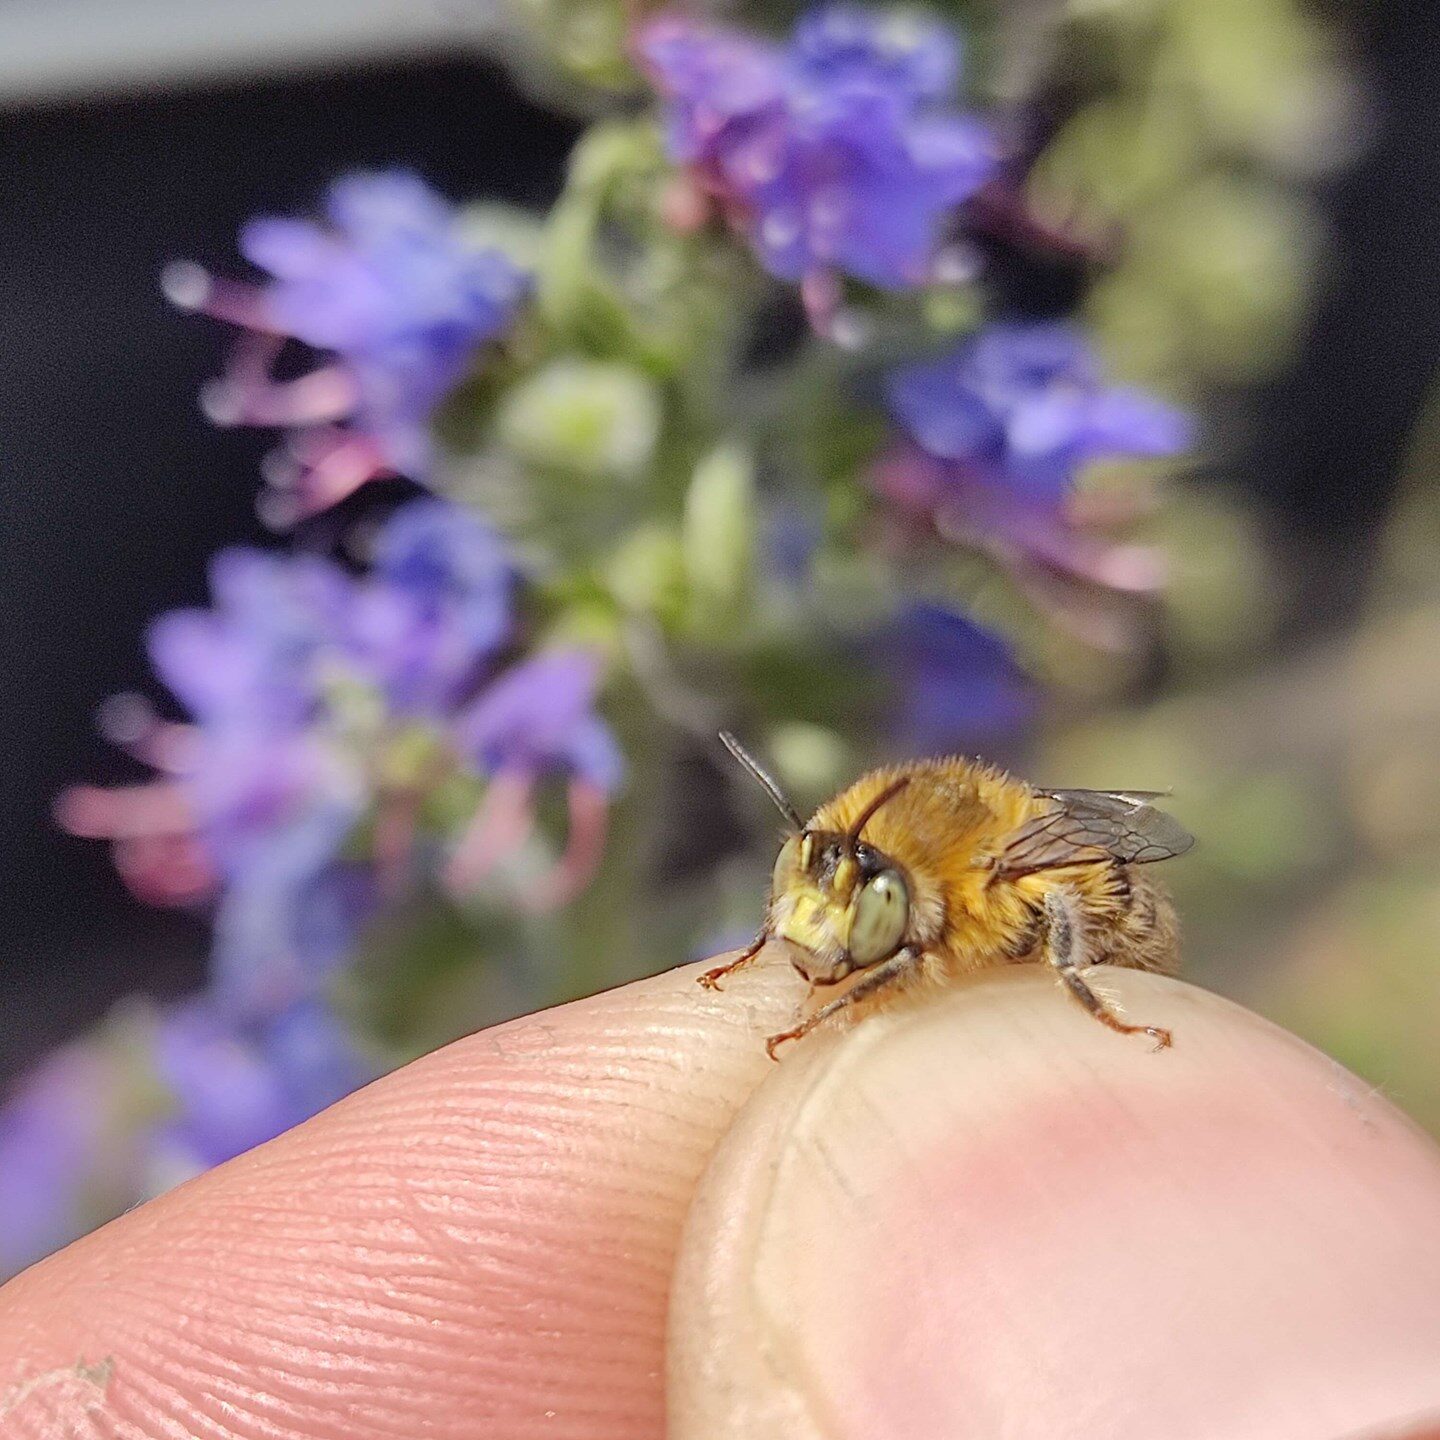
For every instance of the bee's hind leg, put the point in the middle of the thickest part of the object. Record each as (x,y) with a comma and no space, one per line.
(897,965)
(1066,953)
(711,978)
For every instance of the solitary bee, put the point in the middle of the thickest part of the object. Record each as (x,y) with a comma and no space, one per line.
(938,868)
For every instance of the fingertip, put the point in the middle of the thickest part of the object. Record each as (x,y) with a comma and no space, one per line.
(983,1213)
(480,1242)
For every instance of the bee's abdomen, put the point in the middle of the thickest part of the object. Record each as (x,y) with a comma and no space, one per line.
(1145,935)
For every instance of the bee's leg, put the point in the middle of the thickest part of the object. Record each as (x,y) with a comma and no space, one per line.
(897,965)
(1066,952)
(711,978)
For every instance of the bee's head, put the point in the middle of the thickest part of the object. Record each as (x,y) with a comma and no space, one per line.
(838,904)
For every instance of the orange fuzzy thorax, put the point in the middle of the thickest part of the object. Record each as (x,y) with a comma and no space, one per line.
(942,829)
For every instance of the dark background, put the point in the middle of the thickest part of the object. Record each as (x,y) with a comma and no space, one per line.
(114,491)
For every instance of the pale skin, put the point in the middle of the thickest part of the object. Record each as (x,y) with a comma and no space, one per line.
(975,1213)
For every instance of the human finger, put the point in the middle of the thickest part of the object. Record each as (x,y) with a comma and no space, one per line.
(478,1244)
(983,1214)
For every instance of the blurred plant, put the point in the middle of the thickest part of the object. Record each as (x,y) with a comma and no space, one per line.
(349,735)
(1005,424)
(1184,142)
(699,448)
(51,1131)
(156,1097)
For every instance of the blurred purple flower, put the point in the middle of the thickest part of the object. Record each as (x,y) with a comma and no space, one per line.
(833,152)
(538,718)
(438,607)
(93,1129)
(326,712)
(233,1086)
(1024,405)
(956,685)
(49,1129)
(535,720)
(392,285)
(998,432)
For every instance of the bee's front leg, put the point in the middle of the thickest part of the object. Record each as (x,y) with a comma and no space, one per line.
(711,978)
(897,965)
(1068,956)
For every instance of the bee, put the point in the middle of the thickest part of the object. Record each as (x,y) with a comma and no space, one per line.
(934,869)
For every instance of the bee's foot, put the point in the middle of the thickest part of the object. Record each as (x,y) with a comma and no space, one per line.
(1162,1038)
(776,1041)
(711,978)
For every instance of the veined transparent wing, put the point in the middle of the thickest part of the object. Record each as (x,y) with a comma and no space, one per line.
(1086,826)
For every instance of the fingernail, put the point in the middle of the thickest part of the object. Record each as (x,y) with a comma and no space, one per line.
(983,1214)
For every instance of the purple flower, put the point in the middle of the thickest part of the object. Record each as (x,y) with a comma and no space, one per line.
(955,685)
(327,714)
(395,289)
(448,560)
(848,44)
(252,661)
(833,152)
(49,1129)
(1024,406)
(997,433)
(233,1084)
(96,1128)
(538,719)
(438,607)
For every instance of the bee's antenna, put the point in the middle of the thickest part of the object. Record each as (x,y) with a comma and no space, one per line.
(868,813)
(770,787)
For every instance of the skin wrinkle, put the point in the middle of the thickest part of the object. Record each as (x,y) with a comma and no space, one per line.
(203,1410)
(419,1276)
(91,1380)
(485,1237)
(298,1362)
(148,1405)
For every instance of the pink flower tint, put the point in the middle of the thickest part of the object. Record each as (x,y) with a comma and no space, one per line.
(153,838)
(538,719)
(392,287)
(1063,554)
(293,798)
(997,433)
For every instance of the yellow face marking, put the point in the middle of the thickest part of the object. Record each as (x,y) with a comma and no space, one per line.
(809,922)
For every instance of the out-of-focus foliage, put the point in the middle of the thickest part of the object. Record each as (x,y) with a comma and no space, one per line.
(1199,117)
(834,401)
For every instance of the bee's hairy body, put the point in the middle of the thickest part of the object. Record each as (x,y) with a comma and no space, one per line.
(952,818)
(980,870)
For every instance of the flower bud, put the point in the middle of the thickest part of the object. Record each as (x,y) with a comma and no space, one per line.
(718,533)
(590,418)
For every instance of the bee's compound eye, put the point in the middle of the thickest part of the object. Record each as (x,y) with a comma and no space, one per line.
(785,863)
(881,912)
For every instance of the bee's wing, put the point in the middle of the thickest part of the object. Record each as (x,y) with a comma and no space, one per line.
(1089,825)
